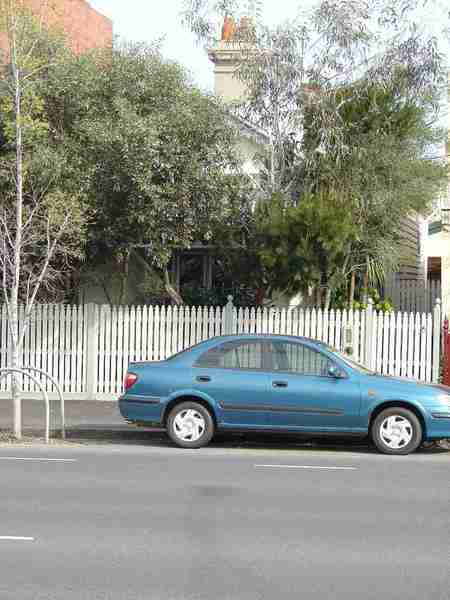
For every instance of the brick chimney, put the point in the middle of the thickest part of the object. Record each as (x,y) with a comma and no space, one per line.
(227,56)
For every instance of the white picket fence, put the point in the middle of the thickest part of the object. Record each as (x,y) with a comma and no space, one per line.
(87,348)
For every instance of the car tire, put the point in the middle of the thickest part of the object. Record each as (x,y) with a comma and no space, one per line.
(190,425)
(396,431)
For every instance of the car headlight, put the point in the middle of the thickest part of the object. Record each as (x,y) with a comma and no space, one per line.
(445,398)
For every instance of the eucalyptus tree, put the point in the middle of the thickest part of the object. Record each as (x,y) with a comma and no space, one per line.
(294,76)
(287,67)
(42,217)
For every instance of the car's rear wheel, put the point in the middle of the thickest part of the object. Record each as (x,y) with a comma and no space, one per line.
(396,430)
(190,425)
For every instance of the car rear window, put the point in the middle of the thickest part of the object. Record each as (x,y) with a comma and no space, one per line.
(185,351)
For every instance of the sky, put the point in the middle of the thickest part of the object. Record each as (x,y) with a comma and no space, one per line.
(148,20)
(139,20)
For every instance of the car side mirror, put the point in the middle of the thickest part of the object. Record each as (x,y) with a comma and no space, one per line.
(333,371)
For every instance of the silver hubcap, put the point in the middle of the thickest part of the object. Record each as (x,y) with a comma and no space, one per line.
(396,432)
(189,425)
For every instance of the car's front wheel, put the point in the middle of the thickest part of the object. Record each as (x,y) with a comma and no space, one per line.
(396,431)
(190,425)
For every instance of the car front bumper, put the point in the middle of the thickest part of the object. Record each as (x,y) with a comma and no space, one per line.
(438,422)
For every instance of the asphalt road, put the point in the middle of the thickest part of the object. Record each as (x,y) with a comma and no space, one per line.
(153,522)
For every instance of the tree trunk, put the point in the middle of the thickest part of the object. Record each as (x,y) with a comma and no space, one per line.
(259,296)
(173,293)
(366,282)
(14,298)
(318,297)
(14,363)
(106,291)
(351,295)
(124,279)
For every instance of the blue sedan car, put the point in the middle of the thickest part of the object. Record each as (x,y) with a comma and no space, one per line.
(281,383)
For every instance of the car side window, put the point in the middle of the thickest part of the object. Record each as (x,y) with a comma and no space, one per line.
(299,358)
(234,355)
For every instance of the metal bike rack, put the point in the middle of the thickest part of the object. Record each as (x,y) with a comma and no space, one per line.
(4,373)
(60,396)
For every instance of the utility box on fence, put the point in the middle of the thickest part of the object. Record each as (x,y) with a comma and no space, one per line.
(348,339)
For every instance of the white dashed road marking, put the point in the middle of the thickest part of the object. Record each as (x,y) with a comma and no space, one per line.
(38,459)
(305,467)
(14,538)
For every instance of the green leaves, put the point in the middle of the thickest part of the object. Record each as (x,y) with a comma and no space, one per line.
(158,154)
(386,132)
(305,245)
(43,212)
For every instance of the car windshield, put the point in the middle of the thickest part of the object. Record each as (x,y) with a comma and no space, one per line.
(351,363)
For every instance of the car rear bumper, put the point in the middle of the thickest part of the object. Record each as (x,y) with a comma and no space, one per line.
(142,409)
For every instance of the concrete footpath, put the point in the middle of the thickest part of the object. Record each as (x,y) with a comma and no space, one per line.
(84,419)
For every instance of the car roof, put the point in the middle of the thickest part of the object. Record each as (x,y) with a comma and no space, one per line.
(205,345)
(268,336)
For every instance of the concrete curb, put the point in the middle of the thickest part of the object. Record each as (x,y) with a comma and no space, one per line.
(128,434)
(90,436)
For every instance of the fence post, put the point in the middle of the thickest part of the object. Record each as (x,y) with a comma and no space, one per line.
(437,325)
(368,342)
(91,315)
(446,354)
(228,324)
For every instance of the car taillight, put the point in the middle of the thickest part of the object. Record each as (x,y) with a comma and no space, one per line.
(130,379)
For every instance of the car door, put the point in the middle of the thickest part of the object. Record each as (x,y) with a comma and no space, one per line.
(234,374)
(304,394)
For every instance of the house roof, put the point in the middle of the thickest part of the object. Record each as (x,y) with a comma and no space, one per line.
(249,130)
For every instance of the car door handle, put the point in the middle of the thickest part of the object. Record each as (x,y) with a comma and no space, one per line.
(203,378)
(279,384)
